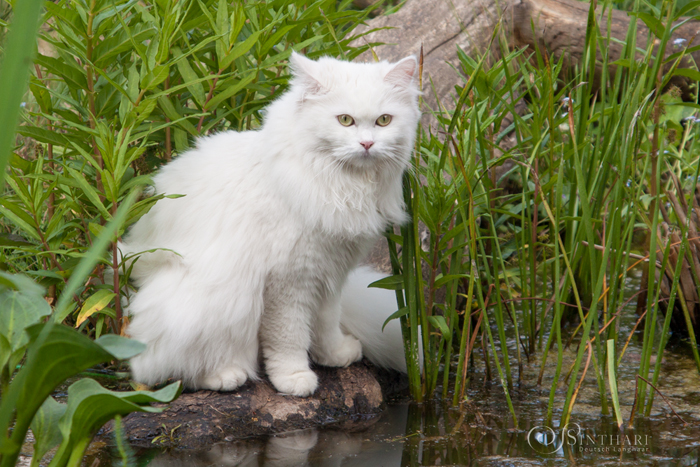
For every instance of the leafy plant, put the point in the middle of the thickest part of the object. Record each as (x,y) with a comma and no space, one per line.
(55,352)
(511,266)
(128,85)
(52,352)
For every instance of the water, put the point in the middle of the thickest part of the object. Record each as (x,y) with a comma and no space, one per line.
(482,430)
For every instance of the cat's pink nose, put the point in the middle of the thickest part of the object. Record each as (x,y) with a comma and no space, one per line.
(367,144)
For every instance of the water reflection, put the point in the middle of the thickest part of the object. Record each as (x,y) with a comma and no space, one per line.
(379,445)
(479,434)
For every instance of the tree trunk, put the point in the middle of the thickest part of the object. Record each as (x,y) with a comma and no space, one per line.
(557,27)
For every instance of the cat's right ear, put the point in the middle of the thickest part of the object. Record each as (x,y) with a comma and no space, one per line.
(403,73)
(305,72)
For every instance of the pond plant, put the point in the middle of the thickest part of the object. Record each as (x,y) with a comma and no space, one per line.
(606,164)
(602,167)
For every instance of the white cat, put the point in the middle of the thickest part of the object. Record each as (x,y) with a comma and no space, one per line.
(271,224)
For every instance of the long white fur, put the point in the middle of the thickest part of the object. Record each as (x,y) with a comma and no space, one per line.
(364,313)
(270,226)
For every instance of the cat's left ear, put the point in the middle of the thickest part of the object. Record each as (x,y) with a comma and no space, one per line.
(305,72)
(403,73)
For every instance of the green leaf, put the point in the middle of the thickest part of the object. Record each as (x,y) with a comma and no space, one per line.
(230,91)
(93,255)
(13,240)
(239,50)
(121,347)
(42,135)
(440,323)
(42,96)
(687,8)
(54,355)
(154,77)
(653,23)
(612,379)
(442,280)
(390,283)
(688,73)
(19,217)
(45,427)
(74,77)
(90,406)
(94,304)
(89,191)
(222,27)
(19,282)
(190,78)
(19,311)
(14,72)
(397,314)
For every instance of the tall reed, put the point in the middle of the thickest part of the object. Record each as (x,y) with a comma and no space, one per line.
(502,270)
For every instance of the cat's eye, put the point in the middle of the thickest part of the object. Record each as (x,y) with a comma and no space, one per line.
(384,120)
(345,120)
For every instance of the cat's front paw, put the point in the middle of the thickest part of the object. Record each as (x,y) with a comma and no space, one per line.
(342,354)
(227,379)
(300,383)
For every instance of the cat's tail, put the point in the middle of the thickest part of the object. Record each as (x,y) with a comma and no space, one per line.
(364,311)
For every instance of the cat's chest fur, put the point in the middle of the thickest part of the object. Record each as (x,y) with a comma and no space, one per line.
(315,265)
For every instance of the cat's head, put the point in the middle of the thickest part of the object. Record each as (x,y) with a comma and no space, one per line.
(360,115)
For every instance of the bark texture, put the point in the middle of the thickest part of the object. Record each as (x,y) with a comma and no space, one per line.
(352,395)
(557,27)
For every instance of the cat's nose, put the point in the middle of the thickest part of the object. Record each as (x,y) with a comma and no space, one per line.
(367,144)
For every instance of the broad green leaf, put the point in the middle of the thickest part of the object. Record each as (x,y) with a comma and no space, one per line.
(21,283)
(90,406)
(653,23)
(19,311)
(94,304)
(53,356)
(121,347)
(688,73)
(5,354)
(180,138)
(42,96)
(222,27)
(144,109)
(169,109)
(45,427)
(442,280)
(110,11)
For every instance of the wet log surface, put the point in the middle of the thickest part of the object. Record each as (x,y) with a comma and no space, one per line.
(346,396)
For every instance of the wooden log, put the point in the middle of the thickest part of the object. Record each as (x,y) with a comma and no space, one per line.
(350,396)
(559,30)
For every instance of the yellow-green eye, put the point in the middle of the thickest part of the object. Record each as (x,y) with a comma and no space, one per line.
(345,120)
(384,120)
